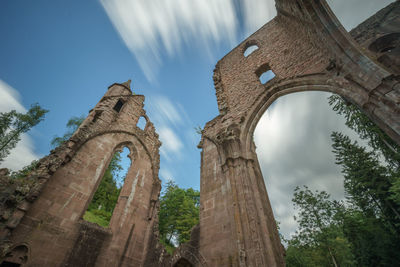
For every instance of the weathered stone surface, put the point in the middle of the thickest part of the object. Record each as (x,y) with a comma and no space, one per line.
(307,49)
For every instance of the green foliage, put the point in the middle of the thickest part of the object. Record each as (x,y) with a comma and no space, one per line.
(72,125)
(320,240)
(107,193)
(369,185)
(371,223)
(179,212)
(99,217)
(104,200)
(363,230)
(13,124)
(367,130)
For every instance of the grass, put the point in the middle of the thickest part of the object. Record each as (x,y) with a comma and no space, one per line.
(95,217)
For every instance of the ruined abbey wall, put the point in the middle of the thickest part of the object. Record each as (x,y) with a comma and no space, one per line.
(305,47)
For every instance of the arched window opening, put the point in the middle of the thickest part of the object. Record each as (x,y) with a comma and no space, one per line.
(250,50)
(119,105)
(142,123)
(295,138)
(265,74)
(105,198)
(183,263)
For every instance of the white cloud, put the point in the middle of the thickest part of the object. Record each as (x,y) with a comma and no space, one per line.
(163,111)
(166,116)
(9,98)
(23,154)
(171,144)
(256,13)
(150,27)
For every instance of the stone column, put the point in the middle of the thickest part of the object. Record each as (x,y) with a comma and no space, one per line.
(234,200)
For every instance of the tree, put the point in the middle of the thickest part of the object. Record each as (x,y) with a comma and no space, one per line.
(72,125)
(320,240)
(363,230)
(367,130)
(13,124)
(367,182)
(371,222)
(179,212)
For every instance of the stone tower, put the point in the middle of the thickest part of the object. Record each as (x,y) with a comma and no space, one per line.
(47,228)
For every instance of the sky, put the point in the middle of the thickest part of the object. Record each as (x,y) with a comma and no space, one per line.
(64,54)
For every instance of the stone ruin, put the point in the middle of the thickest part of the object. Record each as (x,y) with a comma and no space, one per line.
(304,46)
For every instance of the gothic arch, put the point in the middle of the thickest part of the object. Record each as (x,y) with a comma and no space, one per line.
(351,92)
(186,254)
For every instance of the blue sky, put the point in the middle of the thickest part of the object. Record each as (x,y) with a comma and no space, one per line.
(64,55)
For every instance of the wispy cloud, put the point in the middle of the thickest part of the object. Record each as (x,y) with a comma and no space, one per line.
(151,27)
(23,154)
(171,143)
(166,116)
(163,111)
(256,13)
